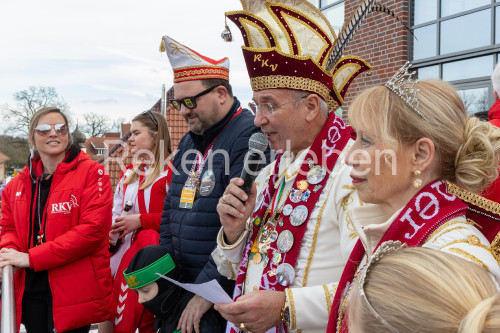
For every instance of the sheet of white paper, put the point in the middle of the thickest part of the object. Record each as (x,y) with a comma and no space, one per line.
(211,291)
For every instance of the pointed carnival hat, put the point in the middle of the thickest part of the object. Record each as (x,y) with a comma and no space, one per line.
(189,65)
(291,44)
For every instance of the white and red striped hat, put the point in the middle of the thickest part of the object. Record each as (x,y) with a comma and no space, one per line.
(189,65)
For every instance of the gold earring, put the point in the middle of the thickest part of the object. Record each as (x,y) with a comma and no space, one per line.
(417,181)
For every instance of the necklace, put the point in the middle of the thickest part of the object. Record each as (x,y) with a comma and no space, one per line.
(41,231)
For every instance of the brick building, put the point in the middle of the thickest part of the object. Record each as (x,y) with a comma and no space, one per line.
(176,123)
(456,40)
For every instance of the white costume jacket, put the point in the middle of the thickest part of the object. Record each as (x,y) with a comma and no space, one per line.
(459,236)
(325,248)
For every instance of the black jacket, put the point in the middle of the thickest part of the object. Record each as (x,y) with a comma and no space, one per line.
(190,234)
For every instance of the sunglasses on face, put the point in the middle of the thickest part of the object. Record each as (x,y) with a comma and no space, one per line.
(44,129)
(189,102)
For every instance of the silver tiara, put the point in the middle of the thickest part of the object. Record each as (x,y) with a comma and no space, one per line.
(404,86)
(384,248)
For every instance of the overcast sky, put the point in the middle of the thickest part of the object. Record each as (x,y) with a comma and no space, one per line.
(103,56)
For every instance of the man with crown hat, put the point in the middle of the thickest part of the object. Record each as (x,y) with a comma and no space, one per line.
(291,237)
(208,156)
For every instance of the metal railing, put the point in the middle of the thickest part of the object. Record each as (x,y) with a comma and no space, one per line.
(8,322)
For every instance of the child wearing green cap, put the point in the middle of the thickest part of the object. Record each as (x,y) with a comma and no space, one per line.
(161,297)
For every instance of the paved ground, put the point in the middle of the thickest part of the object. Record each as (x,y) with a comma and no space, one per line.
(93,329)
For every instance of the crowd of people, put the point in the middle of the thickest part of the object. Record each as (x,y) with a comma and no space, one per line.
(389,224)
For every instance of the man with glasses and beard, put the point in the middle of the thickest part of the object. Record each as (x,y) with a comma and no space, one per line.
(208,156)
(291,238)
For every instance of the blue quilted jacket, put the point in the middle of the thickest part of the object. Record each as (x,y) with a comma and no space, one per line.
(190,234)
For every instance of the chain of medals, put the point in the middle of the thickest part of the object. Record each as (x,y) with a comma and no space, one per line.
(267,233)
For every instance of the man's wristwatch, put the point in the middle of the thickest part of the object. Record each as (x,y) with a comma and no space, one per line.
(285,314)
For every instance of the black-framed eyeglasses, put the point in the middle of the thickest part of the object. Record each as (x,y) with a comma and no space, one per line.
(189,102)
(267,109)
(44,129)
(148,112)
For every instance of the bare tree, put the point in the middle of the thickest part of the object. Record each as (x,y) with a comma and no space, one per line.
(16,148)
(27,103)
(475,100)
(468,98)
(482,101)
(96,124)
(117,124)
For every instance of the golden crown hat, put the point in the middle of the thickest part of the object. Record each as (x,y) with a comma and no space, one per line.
(291,44)
(190,65)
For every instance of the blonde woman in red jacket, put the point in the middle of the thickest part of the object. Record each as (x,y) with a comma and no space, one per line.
(144,183)
(55,221)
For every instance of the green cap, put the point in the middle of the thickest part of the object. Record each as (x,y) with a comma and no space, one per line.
(147,275)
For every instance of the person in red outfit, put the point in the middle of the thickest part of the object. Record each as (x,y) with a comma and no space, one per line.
(55,220)
(493,191)
(145,183)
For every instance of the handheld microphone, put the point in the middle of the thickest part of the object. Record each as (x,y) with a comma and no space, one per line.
(257,144)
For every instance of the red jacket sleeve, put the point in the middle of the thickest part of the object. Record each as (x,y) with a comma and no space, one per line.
(90,233)
(152,219)
(8,232)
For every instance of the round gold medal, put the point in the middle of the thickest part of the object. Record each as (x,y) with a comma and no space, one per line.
(257,258)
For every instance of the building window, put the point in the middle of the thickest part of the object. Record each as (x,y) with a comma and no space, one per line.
(458,41)
(333,11)
(100,151)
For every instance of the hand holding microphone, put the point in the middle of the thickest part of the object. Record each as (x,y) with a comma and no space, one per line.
(238,201)
(257,145)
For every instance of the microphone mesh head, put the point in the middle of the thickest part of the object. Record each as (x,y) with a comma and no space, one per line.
(258,141)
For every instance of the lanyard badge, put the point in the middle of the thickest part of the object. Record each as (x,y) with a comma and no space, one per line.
(189,190)
(193,182)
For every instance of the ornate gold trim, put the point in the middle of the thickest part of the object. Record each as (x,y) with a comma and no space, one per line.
(175,48)
(316,231)
(446,225)
(495,248)
(447,231)
(246,22)
(347,201)
(473,198)
(202,66)
(291,304)
(233,274)
(469,256)
(329,298)
(183,72)
(466,241)
(293,82)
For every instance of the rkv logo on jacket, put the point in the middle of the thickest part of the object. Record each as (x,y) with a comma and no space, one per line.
(64,207)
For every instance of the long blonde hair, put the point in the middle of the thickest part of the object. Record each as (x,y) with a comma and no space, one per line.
(426,291)
(159,149)
(467,149)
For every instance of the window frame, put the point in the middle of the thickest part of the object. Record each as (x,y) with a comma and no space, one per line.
(335,3)
(460,55)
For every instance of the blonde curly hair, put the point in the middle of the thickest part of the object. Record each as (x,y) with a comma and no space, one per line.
(467,148)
